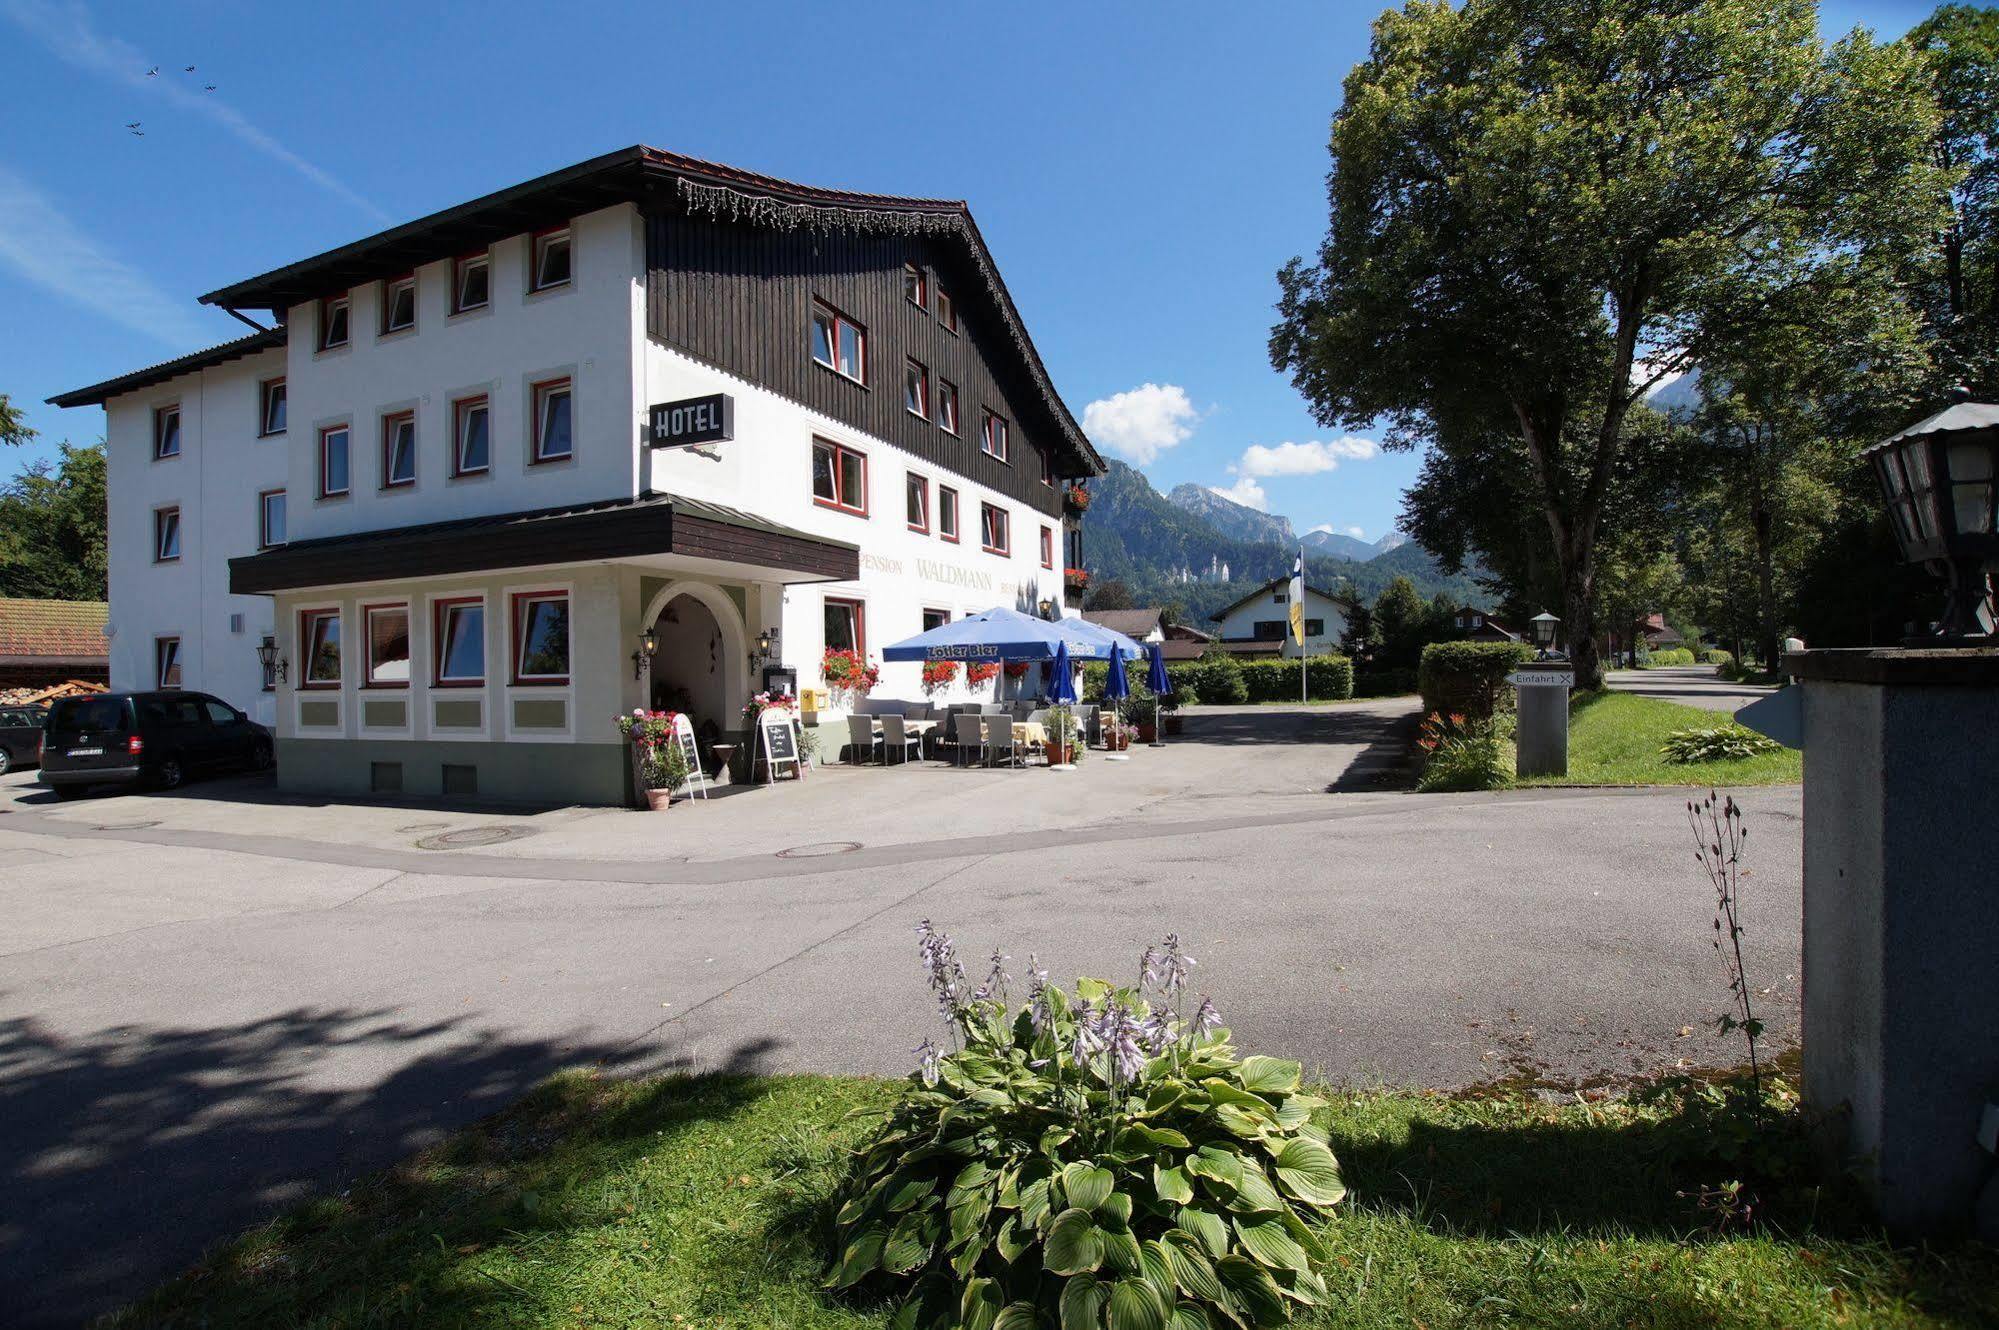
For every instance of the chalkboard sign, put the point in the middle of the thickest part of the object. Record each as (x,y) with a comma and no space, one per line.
(683,734)
(780,742)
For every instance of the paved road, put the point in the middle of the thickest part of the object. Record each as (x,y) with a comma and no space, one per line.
(1689,685)
(195,1031)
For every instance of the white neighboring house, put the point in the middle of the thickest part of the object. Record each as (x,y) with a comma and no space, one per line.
(641,398)
(1260,623)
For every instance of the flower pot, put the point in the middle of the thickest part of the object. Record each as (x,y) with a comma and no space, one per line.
(1147,732)
(1060,755)
(1172,722)
(659,800)
(1118,742)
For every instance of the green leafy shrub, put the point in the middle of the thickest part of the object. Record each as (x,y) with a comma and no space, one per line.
(1461,753)
(1089,1161)
(1327,679)
(1469,678)
(1383,683)
(1714,656)
(1670,656)
(1219,681)
(1721,743)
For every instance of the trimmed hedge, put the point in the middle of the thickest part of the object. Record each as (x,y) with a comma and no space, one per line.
(1384,683)
(1673,656)
(1327,679)
(1222,680)
(1714,656)
(1469,678)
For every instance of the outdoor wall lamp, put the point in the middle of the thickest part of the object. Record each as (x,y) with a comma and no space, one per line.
(1545,625)
(1047,608)
(268,657)
(648,644)
(1939,479)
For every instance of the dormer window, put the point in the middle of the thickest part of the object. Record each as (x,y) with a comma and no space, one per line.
(471,282)
(916,286)
(551,259)
(333,323)
(399,304)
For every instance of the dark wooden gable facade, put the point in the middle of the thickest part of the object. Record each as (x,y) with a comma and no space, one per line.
(740,296)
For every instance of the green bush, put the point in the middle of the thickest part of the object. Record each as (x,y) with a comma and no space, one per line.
(1469,678)
(1219,681)
(1671,656)
(1715,656)
(1088,1162)
(1328,679)
(1721,743)
(1384,683)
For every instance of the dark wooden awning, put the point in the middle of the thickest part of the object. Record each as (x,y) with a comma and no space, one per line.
(617,529)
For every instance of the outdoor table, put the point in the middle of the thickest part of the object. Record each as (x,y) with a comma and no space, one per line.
(1030,733)
(918,729)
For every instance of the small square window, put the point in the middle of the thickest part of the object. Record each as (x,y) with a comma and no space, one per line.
(471,282)
(166,534)
(947,406)
(916,389)
(399,450)
(333,323)
(472,444)
(271,416)
(334,472)
(553,441)
(399,304)
(166,432)
(541,637)
(319,634)
(166,662)
(551,260)
(271,518)
(915,286)
(947,513)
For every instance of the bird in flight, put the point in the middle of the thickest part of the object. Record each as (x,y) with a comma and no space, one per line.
(208,87)
(134,124)
(153,72)
(190,69)
(138,133)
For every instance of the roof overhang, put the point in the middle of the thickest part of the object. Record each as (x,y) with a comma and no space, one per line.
(655,524)
(98,393)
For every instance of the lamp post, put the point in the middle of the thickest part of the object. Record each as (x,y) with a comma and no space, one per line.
(1545,625)
(1940,477)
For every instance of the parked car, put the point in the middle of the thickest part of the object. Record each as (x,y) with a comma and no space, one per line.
(20,737)
(157,739)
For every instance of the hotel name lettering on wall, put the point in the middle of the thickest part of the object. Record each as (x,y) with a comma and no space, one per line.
(693,420)
(930,570)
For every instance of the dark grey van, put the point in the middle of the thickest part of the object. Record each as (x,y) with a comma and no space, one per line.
(158,739)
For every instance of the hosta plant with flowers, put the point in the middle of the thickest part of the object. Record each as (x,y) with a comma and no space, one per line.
(1098,1158)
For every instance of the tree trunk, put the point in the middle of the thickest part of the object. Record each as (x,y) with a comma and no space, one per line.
(1579,618)
(1766,594)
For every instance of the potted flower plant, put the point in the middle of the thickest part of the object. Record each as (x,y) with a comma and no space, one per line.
(658,764)
(1062,747)
(1117,734)
(981,671)
(1169,713)
(848,674)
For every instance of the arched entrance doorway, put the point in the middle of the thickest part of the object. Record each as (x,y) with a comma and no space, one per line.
(700,661)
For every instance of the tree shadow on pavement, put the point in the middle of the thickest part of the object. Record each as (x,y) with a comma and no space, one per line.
(124,1154)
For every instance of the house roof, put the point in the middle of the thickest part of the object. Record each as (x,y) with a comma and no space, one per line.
(66,631)
(1272,584)
(97,393)
(655,178)
(1134,624)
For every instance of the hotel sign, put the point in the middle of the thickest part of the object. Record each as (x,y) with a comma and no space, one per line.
(693,420)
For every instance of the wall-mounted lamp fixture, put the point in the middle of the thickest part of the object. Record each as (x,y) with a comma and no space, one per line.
(267,656)
(1047,608)
(648,644)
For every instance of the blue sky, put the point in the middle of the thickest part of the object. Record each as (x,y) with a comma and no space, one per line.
(1140,171)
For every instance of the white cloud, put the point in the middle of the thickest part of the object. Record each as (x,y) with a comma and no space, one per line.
(1140,424)
(1314,530)
(65,29)
(46,248)
(1304,459)
(1247,493)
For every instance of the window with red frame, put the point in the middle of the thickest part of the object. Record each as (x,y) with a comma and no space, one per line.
(398,450)
(947,513)
(846,626)
(915,285)
(994,533)
(399,304)
(458,629)
(319,636)
(916,389)
(471,281)
(541,637)
(553,441)
(388,632)
(918,504)
(1047,547)
(839,477)
(993,436)
(947,313)
(947,406)
(1047,468)
(839,343)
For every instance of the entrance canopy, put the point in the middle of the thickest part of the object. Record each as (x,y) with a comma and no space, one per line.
(1005,634)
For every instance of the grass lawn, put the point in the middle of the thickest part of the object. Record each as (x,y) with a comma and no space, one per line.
(1614,739)
(680,1202)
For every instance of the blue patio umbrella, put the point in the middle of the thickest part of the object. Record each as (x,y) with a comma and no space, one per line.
(1116,689)
(1081,632)
(1063,691)
(1161,684)
(999,635)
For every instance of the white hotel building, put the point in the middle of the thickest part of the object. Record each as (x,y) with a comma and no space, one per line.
(477,456)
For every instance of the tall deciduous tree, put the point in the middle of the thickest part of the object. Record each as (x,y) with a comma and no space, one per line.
(1540,208)
(1960,292)
(52,529)
(13,429)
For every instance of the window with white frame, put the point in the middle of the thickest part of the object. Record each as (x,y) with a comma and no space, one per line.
(166,534)
(995,535)
(947,406)
(839,343)
(935,619)
(388,631)
(335,470)
(270,518)
(916,389)
(271,407)
(471,281)
(333,322)
(541,637)
(319,638)
(551,260)
(166,662)
(471,435)
(947,313)
(399,304)
(459,632)
(918,495)
(552,423)
(947,513)
(398,450)
(166,432)
(993,436)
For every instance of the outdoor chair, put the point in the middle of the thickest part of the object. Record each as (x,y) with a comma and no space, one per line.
(896,736)
(861,736)
(967,730)
(999,738)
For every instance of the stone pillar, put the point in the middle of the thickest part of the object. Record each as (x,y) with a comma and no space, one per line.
(1901,923)
(1541,731)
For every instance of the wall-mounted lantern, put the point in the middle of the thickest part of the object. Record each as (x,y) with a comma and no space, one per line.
(268,657)
(648,644)
(1939,479)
